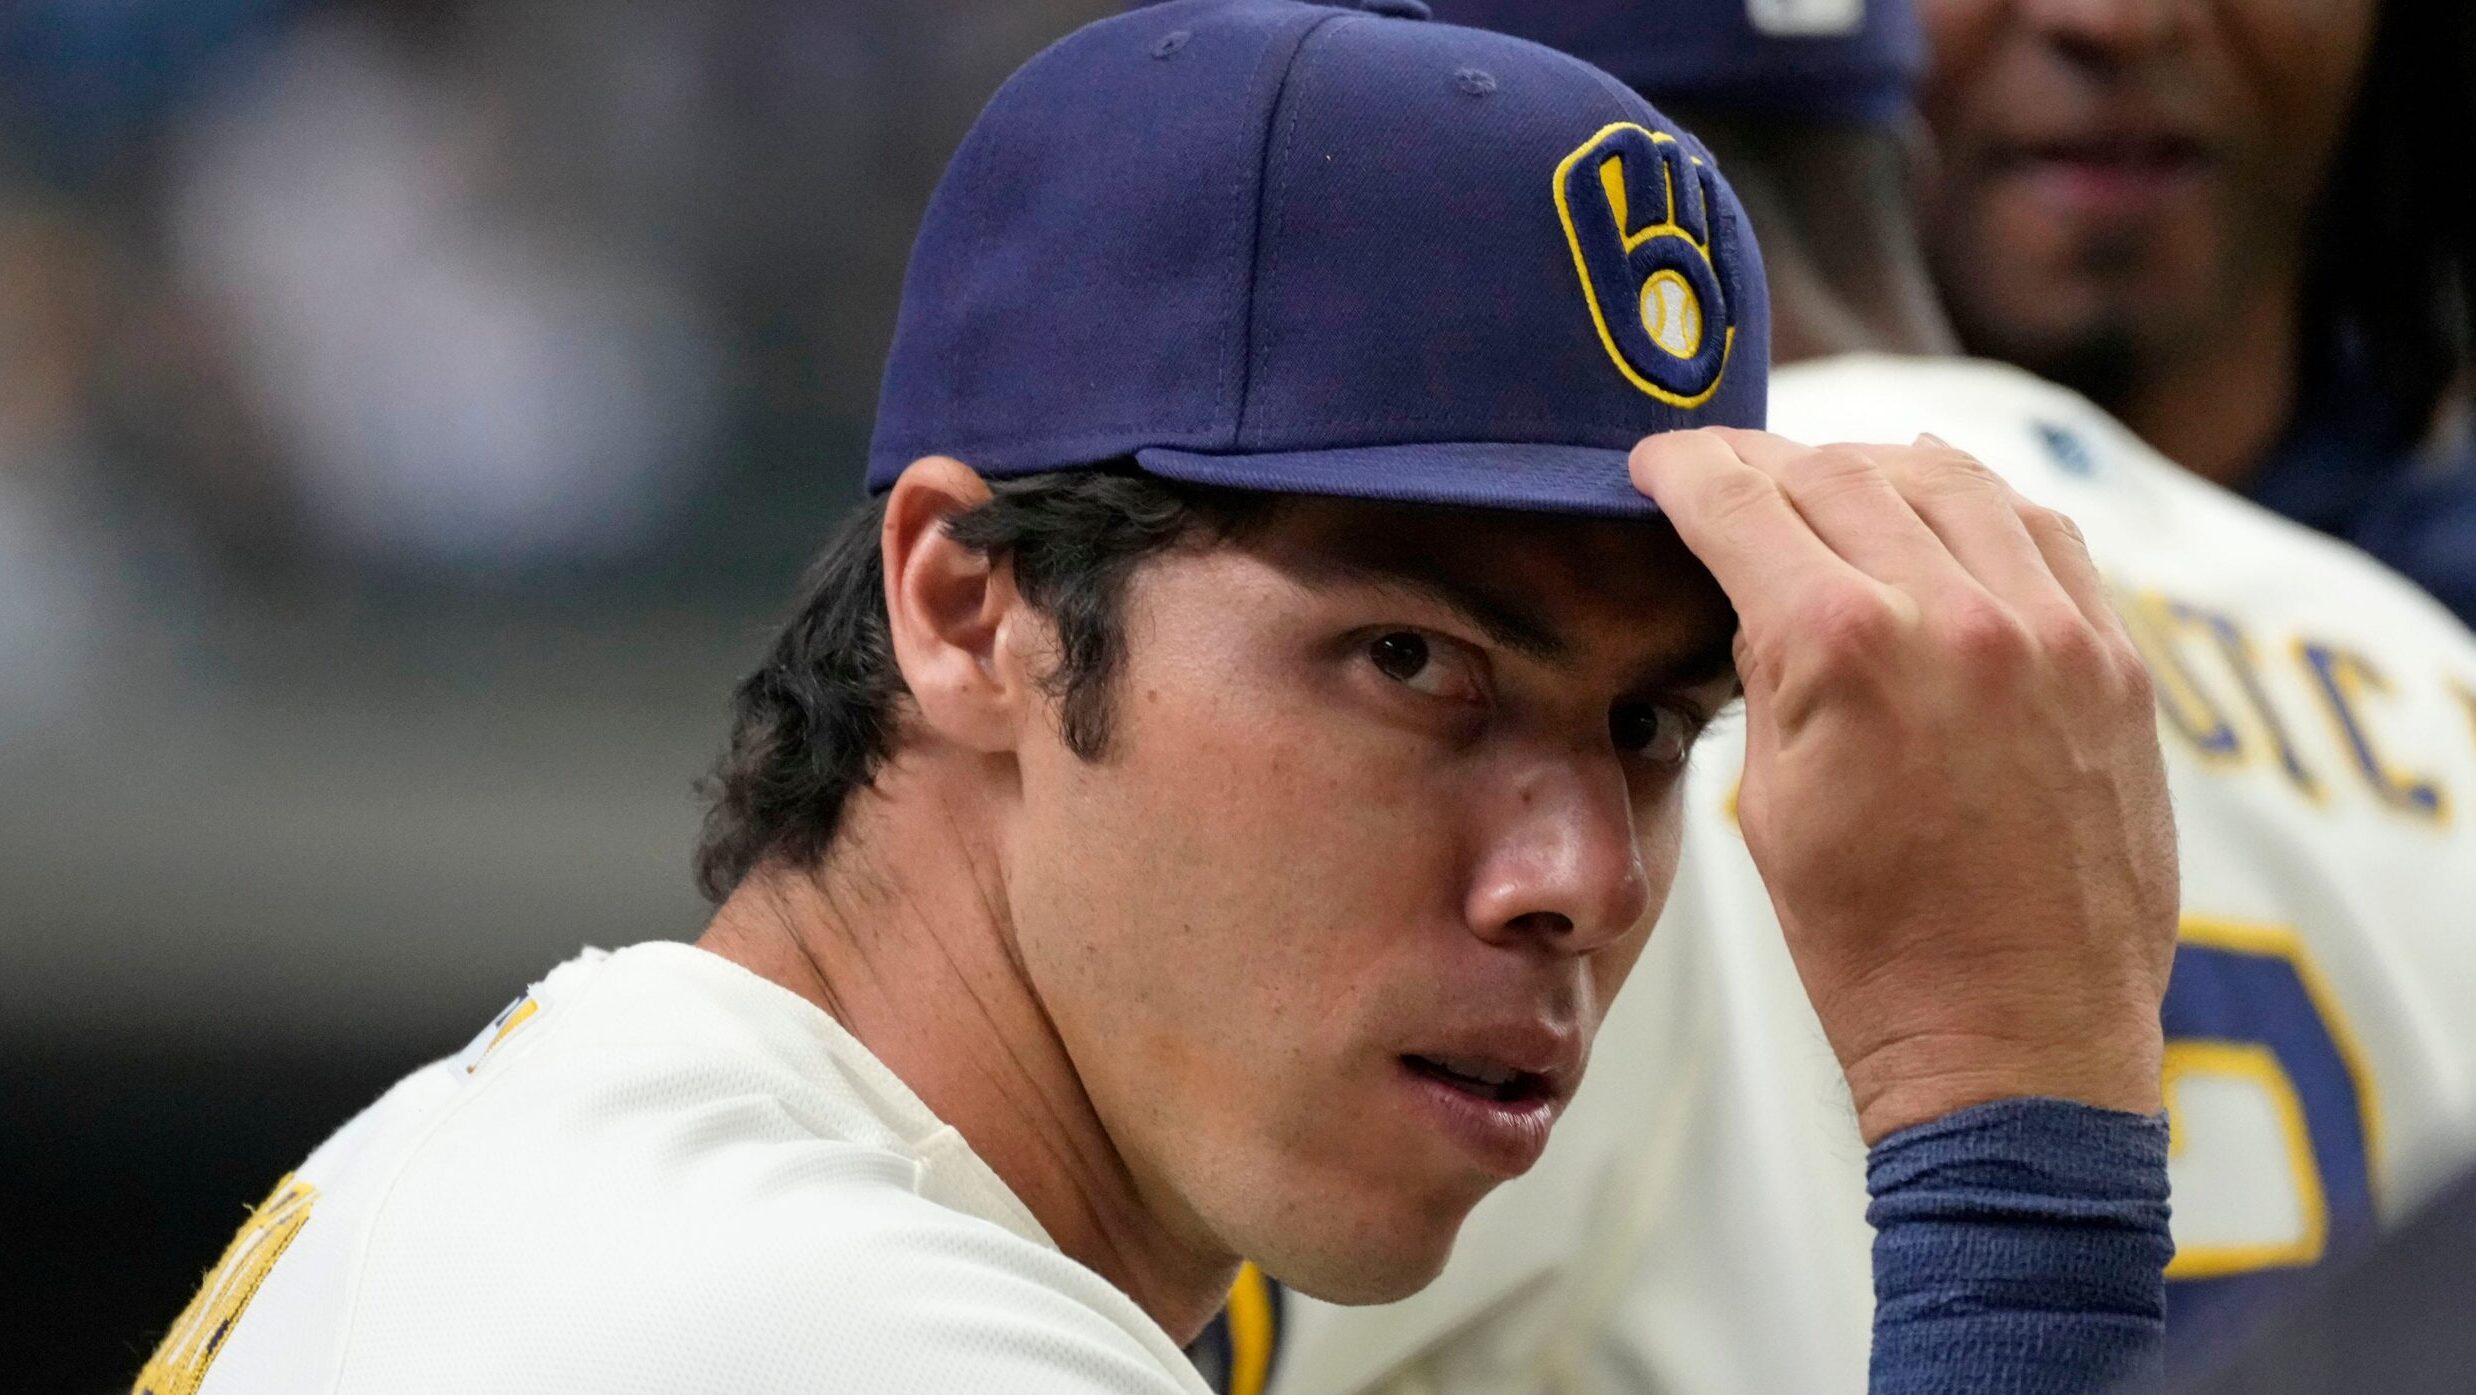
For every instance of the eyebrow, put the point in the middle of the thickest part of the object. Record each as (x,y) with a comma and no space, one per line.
(1522,627)
(1507,620)
(1702,666)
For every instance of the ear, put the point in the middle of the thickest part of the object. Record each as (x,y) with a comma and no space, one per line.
(953,616)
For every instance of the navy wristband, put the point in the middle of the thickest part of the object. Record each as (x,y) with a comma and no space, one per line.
(2020,1249)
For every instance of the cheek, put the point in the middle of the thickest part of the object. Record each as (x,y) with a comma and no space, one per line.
(2304,63)
(1974,51)
(1958,33)
(1224,887)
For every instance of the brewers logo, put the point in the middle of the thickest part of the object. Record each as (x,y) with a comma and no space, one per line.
(1636,206)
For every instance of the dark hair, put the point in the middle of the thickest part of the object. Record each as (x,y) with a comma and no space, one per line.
(818,718)
(2393,270)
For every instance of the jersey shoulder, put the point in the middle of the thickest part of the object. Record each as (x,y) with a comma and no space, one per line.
(587,1198)
(794,1281)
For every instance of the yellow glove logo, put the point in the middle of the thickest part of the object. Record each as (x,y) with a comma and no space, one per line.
(1636,207)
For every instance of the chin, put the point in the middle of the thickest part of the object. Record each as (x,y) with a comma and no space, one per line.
(1381,1259)
(1360,1282)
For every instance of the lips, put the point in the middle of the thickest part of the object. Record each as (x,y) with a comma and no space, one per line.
(1495,1093)
(2131,154)
(2115,175)
(1477,1075)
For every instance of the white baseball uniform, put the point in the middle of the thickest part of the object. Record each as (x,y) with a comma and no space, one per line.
(1696,1228)
(658,1172)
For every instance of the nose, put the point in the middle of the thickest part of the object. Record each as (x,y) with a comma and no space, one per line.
(1561,862)
(2105,30)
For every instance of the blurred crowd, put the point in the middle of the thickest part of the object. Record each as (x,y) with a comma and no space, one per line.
(300,297)
(305,297)
(411,413)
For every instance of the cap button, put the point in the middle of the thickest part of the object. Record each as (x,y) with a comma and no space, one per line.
(1398,9)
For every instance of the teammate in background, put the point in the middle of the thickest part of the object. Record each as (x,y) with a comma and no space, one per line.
(1212,821)
(1694,1230)
(2244,227)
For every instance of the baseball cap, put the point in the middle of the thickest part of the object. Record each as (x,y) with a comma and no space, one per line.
(1349,251)
(1832,61)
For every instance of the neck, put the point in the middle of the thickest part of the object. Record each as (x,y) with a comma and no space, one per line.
(1830,206)
(2219,407)
(1819,309)
(914,956)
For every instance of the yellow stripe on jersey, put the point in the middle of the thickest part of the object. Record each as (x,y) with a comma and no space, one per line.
(1252,1332)
(516,1017)
(179,1364)
(523,1014)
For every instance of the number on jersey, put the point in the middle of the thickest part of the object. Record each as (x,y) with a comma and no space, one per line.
(2260,1067)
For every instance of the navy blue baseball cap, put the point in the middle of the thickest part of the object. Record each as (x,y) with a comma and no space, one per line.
(1345,251)
(1835,61)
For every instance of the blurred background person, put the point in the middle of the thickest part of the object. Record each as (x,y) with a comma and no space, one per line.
(2241,227)
(457,366)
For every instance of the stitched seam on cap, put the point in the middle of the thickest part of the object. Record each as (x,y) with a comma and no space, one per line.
(1260,270)
(1234,383)
(1627,100)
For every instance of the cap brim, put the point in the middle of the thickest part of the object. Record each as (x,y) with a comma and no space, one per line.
(1585,480)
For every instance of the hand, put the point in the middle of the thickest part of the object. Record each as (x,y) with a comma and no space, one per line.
(1953,786)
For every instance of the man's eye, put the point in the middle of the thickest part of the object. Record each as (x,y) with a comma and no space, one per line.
(1418,663)
(1649,732)
(1401,655)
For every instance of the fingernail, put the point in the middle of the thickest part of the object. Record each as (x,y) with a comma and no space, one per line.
(1928,438)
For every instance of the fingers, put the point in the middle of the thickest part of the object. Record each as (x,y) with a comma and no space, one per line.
(2059,544)
(1736,519)
(1857,503)
(1928,517)
(2030,556)
(1774,520)
(1978,519)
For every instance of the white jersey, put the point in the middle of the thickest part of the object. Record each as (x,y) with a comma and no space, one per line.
(658,1172)
(1697,1226)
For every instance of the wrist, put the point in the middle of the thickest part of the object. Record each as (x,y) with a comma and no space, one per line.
(2021,1246)
(1922,1077)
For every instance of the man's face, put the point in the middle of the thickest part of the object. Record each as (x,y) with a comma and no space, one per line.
(1388,794)
(2119,175)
